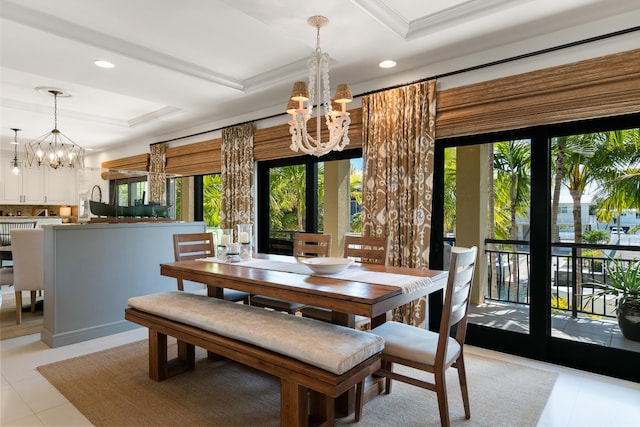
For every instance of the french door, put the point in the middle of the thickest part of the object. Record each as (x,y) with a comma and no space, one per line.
(539,232)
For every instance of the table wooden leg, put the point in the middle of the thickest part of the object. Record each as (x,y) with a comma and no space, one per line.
(216,292)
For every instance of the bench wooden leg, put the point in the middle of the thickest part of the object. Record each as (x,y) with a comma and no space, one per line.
(157,355)
(187,354)
(160,367)
(293,404)
(330,413)
(322,409)
(359,400)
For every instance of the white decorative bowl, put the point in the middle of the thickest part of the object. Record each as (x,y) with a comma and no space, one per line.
(327,265)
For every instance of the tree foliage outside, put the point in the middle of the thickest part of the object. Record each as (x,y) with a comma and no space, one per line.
(212,199)
(512,186)
(608,162)
(355,194)
(450,190)
(595,237)
(287,198)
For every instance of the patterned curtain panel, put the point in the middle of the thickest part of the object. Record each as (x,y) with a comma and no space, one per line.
(237,176)
(157,178)
(398,154)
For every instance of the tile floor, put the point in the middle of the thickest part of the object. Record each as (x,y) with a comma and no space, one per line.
(578,398)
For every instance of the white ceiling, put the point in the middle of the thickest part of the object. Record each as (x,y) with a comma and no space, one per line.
(192,65)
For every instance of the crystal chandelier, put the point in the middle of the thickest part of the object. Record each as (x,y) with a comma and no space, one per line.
(54,149)
(335,113)
(14,164)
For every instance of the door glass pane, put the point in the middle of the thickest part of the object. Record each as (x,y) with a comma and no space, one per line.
(595,201)
(123,194)
(138,192)
(320,198)
(503,302)
(355,194)
(287,206)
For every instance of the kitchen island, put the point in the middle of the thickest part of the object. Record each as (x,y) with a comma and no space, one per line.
(91,270)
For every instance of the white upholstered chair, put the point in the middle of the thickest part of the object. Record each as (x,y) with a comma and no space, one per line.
(189,246)
(27,248)
(434,352)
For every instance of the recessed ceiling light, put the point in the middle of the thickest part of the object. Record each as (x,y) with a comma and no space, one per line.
(103,64)
(387,63)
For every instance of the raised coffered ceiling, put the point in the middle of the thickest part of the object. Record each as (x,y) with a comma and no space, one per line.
(188,66)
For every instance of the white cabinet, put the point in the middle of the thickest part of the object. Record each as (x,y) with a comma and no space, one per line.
(11,186)
(26,187)
(39,186)
(60,186)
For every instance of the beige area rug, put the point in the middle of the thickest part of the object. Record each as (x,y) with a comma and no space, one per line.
(31,322)
(112,388)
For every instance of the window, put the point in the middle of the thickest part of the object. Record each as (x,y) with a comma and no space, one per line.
(291,198)
(130,191)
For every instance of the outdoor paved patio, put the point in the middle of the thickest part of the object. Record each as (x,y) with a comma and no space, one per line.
(514,317)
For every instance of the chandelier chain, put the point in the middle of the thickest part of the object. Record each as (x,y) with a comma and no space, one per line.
(55,109)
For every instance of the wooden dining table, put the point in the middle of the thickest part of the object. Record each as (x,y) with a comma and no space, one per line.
(357,293)
(363,289)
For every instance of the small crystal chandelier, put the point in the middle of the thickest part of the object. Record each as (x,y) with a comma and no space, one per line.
(14,164)
(54,149)
(335,113)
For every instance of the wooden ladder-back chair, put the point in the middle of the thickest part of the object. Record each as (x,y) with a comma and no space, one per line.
(370,250)
(307,245)
(304,245)
(434,352)
(27,247)
(192,246)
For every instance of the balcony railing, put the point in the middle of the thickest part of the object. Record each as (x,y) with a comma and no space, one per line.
(509,268)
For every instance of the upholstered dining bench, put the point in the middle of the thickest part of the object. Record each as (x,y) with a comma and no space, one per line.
(305,354)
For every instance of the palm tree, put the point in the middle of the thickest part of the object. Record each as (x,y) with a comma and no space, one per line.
(559,146)
(578,174)
(512,160)
(491,226)
(619,176)
(596,158)
(287,204)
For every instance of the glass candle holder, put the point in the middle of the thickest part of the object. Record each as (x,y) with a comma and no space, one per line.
(225,239)
(245,236)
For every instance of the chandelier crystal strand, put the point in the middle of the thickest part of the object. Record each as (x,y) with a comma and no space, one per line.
(319,90)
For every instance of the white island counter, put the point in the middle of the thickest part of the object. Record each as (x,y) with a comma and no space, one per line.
(91,270)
